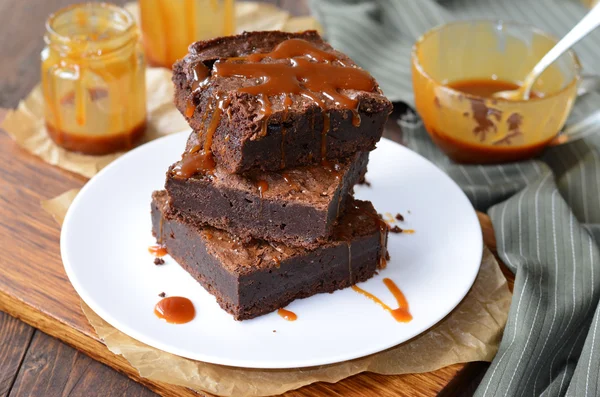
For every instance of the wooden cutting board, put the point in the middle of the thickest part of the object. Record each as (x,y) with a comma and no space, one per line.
(35,288)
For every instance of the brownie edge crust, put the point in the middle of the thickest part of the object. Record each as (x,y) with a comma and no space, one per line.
(252,279)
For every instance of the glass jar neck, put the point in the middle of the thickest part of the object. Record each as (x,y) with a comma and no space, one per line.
(90,30)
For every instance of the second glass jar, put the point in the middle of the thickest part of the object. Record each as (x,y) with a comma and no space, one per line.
(170,26)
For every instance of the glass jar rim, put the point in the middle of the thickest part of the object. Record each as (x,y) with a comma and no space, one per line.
(127,32)
(494,22)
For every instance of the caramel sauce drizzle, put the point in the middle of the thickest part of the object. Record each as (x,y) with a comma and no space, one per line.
(355,118)
(287,315)
(190,108)
(265,111)
(201,74)
(160,231)
(175,310)
(402,313)
(158,250)
(201,159)
(262,187)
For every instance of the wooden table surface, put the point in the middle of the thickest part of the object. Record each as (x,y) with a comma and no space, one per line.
(32,363)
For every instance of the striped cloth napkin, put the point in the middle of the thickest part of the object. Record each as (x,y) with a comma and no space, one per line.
(546,212)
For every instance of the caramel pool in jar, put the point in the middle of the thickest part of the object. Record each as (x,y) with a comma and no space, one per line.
(93,79)
(170,26)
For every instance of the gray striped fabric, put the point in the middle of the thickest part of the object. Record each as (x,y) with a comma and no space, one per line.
(546,212)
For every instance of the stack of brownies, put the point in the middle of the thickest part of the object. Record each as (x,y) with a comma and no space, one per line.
(259,209)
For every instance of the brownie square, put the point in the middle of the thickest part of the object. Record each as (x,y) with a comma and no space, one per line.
(255,278)
(298,129)
(298,207)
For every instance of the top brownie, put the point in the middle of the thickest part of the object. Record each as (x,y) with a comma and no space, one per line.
(273,100)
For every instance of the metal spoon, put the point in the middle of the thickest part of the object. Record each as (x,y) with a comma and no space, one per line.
(588,23)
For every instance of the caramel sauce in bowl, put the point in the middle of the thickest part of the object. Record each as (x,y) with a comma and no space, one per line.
(456,69)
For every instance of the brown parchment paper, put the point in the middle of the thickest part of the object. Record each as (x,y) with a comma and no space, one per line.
(26,123)
(471,332)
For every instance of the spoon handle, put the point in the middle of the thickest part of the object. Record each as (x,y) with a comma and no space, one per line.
(588,23)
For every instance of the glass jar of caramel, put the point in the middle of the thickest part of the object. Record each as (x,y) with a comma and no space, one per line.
(93,79)
(170,26)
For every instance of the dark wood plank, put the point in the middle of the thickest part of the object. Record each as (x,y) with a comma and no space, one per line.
(15,337)
(52,368)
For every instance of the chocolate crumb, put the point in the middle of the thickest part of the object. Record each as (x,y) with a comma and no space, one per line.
(400,217)
(396,229)
(162,294)
(159,261)
(274,331)
(367,183)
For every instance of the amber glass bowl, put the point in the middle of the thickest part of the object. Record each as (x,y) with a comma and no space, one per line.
(473,129)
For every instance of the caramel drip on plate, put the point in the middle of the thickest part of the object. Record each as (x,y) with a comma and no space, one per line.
(175,310)
(287,315)
(402,313)
(158,250)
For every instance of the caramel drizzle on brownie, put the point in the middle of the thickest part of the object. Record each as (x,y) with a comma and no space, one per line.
(200,158)
(309,72)
(200,76)
(265,111)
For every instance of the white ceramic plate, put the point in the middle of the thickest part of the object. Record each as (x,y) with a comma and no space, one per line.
(106,234)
